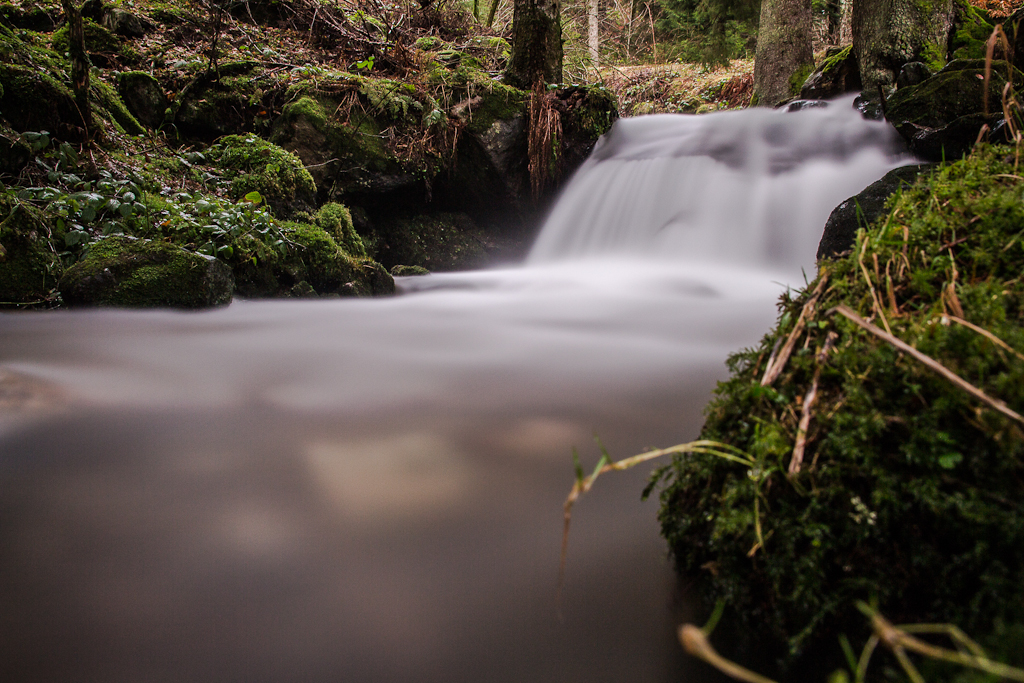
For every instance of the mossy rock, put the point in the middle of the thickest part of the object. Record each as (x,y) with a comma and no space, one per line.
(838,73)
(209,109)
(100,42)
(112,108)
(318,260)
(34,101)
(32,18)
(437,242)
(349,157)
(134,273)
(144,97)
(908,491)
(941,117)
(971,30)
(253,164)
(29,265)
(336,220)
(408,271)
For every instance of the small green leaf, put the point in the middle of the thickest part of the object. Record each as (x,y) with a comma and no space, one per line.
(950,460)
(253,197)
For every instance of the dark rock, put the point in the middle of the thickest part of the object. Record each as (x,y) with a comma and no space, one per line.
(34,18)
(408,271)
(14,155)
(34,101)
(837,74)
(913,73)
(869,105)
(122,271)
(29,265)
(941,117)
(144,97)
(863,209)
(438,242)
(798,105)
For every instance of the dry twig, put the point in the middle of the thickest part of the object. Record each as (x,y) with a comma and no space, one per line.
(776,365)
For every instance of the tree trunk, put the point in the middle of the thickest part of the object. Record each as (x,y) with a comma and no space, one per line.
(80,64)
(593,37)
(889,33)
(783,50)
(536,43)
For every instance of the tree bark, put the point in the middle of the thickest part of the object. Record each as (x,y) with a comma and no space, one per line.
(783,50)
(80,64)
(536,43)
(889,33)
(593,37)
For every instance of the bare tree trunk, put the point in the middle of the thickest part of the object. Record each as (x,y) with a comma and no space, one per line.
(80,64)
(536,43)
(783,50)
(593,37)
(845,22)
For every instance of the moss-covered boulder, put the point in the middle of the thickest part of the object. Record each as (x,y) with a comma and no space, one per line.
(318,260)
(29,264)
(108,105)
(144,97)
(941,117)
(105,49)
(408,271)
(34,101)
(863,209)
(135,273)
(438,242)
(346,155)
(838,73)
(886,482)
(33,17)
(211,107)
(253,164)
(336,220)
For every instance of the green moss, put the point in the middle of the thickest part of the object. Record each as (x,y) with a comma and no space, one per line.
(318,260)
(121,271)
(934,56)
(796,81)
(910,489)
(835,61)
(29,265)
(97,39)
(110,103)
(336,220)
(33,101)
(253,164)
(498,102)
(973,29)
(306,108)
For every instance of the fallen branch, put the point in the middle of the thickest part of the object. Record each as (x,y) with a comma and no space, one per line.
(930,363)
(775,367)
(805,416)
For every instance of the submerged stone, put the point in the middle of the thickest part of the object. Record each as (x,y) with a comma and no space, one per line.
(135,273)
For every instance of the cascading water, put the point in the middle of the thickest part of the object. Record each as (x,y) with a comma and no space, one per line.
(370,490)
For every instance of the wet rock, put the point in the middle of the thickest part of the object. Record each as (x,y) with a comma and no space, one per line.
(941,117)
(837,74)
(128,272)
(799,105)
(408,271)
(913,73)
(863,209)
(144,97)
(438,242)
(29,265)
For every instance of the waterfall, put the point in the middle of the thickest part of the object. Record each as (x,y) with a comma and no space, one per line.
(371,490)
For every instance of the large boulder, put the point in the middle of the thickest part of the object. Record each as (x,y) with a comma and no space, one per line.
(863,209)
(253,164)
(135,273)
(33,101)
(942,117)
(144,97)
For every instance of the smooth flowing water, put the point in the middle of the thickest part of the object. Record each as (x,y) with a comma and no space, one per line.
(371,490)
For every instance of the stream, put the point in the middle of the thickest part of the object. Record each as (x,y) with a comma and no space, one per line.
(371,490)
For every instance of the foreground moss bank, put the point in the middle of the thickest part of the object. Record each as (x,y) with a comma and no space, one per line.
(909,491)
